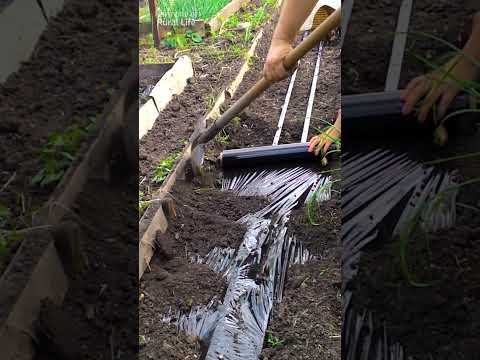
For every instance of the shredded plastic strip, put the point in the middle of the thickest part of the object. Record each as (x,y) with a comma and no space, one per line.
(256,273)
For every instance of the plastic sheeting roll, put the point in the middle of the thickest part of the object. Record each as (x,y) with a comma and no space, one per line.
(380,113)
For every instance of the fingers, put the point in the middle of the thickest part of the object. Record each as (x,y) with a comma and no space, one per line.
(445,101)
(428,103)
(313,143)
(274,70)
(415,90)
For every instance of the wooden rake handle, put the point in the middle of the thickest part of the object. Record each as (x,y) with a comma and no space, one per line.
(320,33)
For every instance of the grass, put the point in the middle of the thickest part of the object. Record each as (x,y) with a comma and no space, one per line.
(142,203)
(223,137)
(176,12)
(164,168)
(59,152)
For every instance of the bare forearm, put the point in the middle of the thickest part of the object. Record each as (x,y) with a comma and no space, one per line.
(292,16)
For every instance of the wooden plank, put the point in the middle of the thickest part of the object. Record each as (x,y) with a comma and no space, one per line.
(398,48)
(21,24)
(172,83)
(147,242)
(53,7)
(217,21)
(23,290)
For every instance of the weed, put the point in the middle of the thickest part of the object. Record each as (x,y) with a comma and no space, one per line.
(164,168)
(236,121)
(273,341)
(59,152)
(223,137)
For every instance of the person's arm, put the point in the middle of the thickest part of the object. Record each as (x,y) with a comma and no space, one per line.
(435,88)
(292,16)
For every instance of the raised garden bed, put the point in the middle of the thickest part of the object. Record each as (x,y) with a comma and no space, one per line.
(31,124)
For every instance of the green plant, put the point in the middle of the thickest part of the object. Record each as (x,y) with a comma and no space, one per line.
(164,168)
(176,40)
(59,152)
(176,12)
(273,341)
(313,205)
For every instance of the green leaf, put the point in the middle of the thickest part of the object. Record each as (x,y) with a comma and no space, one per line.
(196,38)
(38,177)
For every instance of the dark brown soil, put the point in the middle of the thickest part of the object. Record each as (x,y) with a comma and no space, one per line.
(205,218)
(309,318)
(369,39)
(318,238)
(78,61)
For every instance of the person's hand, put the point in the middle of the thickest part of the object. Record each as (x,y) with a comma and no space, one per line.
(319,144)
(437,87)
(273,69)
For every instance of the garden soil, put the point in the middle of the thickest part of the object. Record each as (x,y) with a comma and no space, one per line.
(369,39)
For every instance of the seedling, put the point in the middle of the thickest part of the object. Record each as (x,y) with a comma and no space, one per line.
(164,168)
(273,341)
(313,205)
